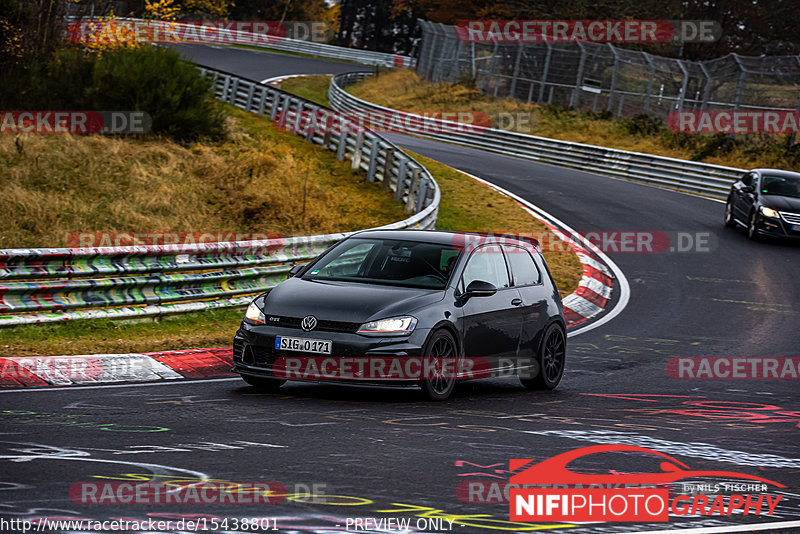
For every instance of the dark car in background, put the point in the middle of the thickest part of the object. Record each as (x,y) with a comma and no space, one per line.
(400,295)
(765,202)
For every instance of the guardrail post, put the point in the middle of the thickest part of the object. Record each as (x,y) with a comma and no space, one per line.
(421,195)
(387,169)
(401,179)
(249,103)
(373,159)
(341,148)
(234,90)
(262,102)
(276,102)
(225,85)
(357,150)
(413,189)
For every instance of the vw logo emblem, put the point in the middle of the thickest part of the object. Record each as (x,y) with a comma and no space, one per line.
(308,323)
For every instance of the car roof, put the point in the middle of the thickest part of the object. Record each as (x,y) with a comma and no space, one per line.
(444,238)
(778,172)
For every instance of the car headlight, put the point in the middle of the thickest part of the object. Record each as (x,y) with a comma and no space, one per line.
(393,325)
(769,212)
(254,314)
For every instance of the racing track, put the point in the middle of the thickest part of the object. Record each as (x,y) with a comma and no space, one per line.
(394,455)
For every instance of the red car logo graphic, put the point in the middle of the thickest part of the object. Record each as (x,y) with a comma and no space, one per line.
(554,470)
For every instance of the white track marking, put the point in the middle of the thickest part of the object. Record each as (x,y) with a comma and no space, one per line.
(111,386)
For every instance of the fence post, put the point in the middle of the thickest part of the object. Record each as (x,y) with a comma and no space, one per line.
(613,77)
(573,102)
(545,70)
(455,71)
(740,84)
(513,89)
(650,79)
(684,85)
(707,92)
(491,67)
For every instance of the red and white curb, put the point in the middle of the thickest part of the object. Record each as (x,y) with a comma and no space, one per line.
(588,301)
(92,369)
(594,290)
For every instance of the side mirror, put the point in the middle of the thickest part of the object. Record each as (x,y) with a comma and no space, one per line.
(296,269)
(479,288)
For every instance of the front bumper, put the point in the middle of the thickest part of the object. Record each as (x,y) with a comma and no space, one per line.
(254,351)
(770,226)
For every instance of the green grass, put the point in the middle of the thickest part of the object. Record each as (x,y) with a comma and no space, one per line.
(314,88)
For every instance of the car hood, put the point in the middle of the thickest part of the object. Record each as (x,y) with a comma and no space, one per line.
(343,301)
(782,203)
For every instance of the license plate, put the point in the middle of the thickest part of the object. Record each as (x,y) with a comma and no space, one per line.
(299,344)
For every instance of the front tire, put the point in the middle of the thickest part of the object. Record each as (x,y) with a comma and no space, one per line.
(729,221)
(752,233)
(440,348)
(551,359)
(263,383)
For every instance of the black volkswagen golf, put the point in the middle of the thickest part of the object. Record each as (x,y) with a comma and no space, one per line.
(766,202)
(409,307)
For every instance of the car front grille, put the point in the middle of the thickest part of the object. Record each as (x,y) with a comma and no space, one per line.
(791,218)
(322,325)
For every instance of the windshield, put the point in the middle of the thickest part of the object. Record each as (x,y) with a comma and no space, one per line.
(786,186)
(388,262)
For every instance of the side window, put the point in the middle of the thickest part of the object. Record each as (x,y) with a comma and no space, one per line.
(486,264)
(523,268)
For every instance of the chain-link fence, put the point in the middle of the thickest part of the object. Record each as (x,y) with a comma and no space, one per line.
(600,77)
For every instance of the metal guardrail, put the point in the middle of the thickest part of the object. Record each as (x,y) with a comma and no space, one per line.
(56,284)
(364,57)
(688,176)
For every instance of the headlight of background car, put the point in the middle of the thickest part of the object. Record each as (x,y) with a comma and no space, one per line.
(769,212)
(254,314)
(393,325)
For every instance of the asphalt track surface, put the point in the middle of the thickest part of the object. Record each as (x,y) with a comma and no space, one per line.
(389,454)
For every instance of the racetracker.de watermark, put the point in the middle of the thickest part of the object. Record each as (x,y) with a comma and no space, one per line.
(734,368)
(75,122)
(346,122)
(734,122)
(614,241)
(598,31)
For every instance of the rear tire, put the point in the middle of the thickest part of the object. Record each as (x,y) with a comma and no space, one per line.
(263,383)
(551,359)
(440,346)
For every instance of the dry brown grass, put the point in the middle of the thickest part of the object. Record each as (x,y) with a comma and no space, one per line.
(260,180)
(404,89)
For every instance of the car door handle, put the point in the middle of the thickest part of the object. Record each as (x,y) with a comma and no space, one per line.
(516,302)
